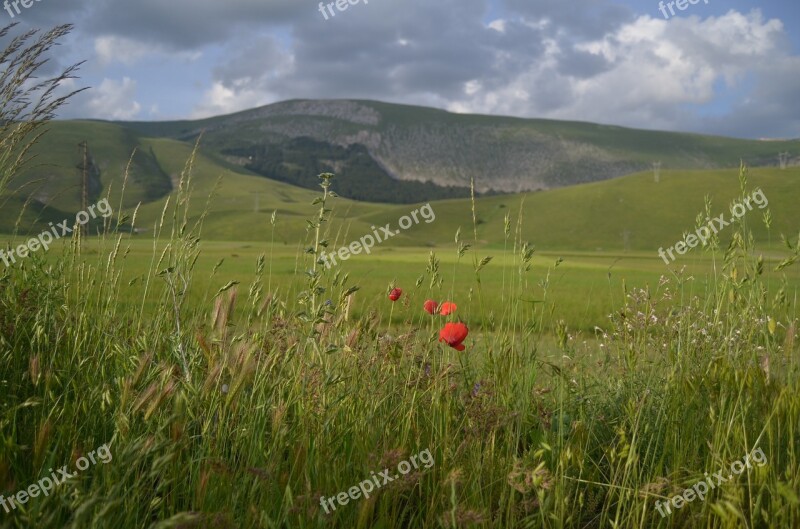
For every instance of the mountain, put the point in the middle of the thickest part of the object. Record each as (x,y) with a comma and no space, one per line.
(381,153)
(632,212)
(373,146)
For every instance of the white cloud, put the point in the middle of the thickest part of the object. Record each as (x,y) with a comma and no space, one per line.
(110,49)
(243,81)
(113,100)
(656,68)
(498,25)
(221,99)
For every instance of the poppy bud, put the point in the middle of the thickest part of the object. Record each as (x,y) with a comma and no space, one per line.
(430,306)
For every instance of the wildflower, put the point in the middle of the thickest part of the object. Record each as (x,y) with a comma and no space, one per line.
(430,306)
(395,294)
(454,334)
(448,307)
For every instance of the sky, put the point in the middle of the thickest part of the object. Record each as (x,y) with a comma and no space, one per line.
(728,67)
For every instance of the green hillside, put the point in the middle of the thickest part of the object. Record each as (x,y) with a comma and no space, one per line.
(631,212)
(54,175)
(590,217)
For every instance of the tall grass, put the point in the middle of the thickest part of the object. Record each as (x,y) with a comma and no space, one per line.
(27,101)
(243,410)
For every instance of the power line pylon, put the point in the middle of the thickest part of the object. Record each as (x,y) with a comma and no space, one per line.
(656,171)
(784,159)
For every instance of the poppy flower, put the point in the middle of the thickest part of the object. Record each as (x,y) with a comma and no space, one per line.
(454,334)
(448,307)
(395,294)
(430,306)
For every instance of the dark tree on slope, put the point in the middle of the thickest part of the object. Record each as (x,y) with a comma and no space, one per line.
(358,176)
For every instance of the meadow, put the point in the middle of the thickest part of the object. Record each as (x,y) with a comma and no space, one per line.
(522,361)
(583,288)
(241,384)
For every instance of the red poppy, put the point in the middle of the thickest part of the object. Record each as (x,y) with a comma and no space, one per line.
(454,334)
(448,307)
(395,294)
(430,306)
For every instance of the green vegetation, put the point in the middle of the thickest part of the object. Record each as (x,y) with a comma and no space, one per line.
(240,384)
(632,212)
(53,178)
(239,396)
(359,177)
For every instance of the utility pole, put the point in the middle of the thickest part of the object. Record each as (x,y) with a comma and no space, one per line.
(784,159)
(656,171)
(85,182)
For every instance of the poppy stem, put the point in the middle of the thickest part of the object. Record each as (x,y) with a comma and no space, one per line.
(463,370)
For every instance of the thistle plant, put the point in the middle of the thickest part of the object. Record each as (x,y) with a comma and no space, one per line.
(311,296)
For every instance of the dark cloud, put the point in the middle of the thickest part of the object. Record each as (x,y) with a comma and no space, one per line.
(189,24)
(582,64)
(577,19)
(770,110)
(385,49)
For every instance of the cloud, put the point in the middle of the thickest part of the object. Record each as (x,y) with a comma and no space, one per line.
(593,60)
(376,50)
(652,73)
(245,80)
(128,52)
(582,19)
(120,49)
(220,99)
(112,100)
(539,60)
(189,24)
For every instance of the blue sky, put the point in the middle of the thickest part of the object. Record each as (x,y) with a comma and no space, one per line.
(726,67)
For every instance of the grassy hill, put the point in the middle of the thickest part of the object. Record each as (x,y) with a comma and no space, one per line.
(54,175)
(585,217)
(631,212)
(588,217)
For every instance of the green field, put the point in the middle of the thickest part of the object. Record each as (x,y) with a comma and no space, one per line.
(582,288)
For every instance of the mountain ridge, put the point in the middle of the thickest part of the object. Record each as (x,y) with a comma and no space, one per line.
(500,153)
